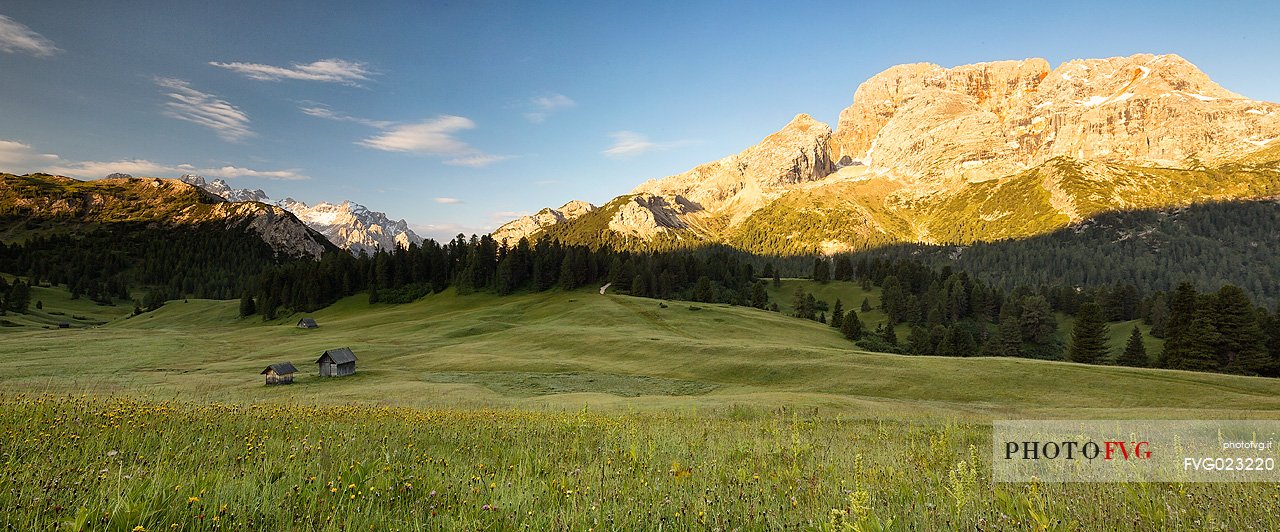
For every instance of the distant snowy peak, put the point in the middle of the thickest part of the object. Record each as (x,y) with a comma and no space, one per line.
(348,225)
(353,226)
(222,189)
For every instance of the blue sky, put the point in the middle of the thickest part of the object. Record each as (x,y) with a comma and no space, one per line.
(458,116)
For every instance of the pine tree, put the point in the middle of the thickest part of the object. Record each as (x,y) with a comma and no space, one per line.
(1089,338)
(373,294)
(1182,311)
(1009,330)
(759,295)
(1241,346)
(703,291)
(1200,338)
(1135,352)
(851,326)
(1158,318)
(822,318)
(777,281)
(866,304)
(837,314)
(890,336)
(246,305)
(821,270)
(1037,322)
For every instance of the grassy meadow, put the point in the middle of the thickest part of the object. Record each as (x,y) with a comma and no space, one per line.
(564,410)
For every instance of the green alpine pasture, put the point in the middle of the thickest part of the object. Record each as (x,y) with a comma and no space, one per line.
(561,410)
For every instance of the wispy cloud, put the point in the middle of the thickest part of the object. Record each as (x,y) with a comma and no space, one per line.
(19,157)
(324,70)
(448,201)
(17,38)
(544,106)
(143,167)
(434,136)
(202,108)
(323,111)
(630,144)
(476,160)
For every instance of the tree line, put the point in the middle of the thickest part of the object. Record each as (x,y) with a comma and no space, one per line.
(950,313)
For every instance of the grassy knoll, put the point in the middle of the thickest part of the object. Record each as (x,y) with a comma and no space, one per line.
(562,410)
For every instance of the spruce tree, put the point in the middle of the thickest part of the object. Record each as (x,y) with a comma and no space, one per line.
(821,270)
(890,336)
(1241,346)
(851,326)
(777,281)
(866,304)
(246,305)
(837,314)
(1089,338)
(1037,321)
(1009,330)
(373,295)
(1135,352)
(1182,311)
(1200,339)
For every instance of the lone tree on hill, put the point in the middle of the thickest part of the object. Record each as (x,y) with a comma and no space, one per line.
(866,304)
(1089,339)
(851,326)
(1135,352)
(837,314)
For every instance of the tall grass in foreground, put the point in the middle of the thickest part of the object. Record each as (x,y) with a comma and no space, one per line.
(112,463)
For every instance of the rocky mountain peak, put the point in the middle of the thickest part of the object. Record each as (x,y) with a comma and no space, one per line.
(938,126)
(511,232)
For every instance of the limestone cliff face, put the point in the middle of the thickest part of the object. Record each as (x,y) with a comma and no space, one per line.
(975,152)
(937,126)
(527,226)
(735,186)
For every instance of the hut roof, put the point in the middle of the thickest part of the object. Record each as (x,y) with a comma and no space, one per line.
(341,355)
(281,368)
(309,323)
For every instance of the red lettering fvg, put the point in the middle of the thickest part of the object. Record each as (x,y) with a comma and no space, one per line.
(1072,450)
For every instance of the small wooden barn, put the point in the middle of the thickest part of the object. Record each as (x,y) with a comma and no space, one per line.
(281,373)
(338,362)
(307,323)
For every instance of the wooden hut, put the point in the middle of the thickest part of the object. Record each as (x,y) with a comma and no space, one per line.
(307,323)
(281,373)
(338,362)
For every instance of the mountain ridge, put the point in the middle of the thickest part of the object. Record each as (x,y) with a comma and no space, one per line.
(348,225)
(914,149)
(154,201)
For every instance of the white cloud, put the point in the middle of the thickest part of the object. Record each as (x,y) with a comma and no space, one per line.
(476,160)
(322,111)
(325,70)
(191,105)
(544,106)
(433,136)
(448,201)
(629,144)
(20,158)
(143,167)
(15,38)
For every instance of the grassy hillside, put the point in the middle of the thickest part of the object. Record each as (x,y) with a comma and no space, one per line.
(562,410)
(571,349)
